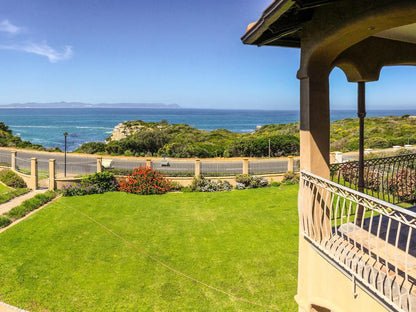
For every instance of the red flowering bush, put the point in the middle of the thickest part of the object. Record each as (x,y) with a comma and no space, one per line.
(144,181)
(403,184)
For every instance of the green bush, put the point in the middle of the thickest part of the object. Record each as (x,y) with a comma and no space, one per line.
(11,179)
(244,181)
(175,186)
(91,148)
(4,221)
(200,184)
(30,205)
(97,183)
(104,180)
(290,177)
(275,184)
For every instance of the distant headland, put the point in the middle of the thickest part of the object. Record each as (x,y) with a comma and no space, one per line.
(88,105)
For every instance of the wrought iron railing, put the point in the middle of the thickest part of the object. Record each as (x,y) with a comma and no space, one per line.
(379,249)
(392,179)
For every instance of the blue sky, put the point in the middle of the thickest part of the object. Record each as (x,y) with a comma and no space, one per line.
(162,51)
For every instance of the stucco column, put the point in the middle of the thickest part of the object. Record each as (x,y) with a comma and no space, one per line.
(197,167)
(314,157)
(13,164)
(99,164)
(51,174)
(245,166)
(33,173)
(314,125)
(290,163)
(149,163)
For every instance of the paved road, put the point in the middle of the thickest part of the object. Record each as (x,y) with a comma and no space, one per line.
(84,164)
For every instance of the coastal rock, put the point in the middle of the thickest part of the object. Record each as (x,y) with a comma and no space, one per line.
(123,130)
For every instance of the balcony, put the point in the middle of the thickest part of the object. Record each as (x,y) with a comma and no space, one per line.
(370,240)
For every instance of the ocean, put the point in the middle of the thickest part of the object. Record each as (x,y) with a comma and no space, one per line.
(46,126)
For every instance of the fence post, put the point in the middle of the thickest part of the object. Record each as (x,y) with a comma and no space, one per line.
(245,166)
(149,163)
(99,164)
(33,173)
(51,174)
(14,160)
(290,164)
(197,167)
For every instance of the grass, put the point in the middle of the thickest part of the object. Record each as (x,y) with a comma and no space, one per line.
(243,242)
(4,189)
(41,174)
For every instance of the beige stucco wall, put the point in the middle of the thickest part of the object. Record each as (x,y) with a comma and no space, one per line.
(323,285)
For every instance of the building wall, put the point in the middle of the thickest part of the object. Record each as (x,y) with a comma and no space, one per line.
(323,288)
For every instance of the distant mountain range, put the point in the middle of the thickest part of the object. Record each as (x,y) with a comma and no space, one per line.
(87,105)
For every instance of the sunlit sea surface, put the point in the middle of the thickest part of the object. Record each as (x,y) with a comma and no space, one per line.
(46,126)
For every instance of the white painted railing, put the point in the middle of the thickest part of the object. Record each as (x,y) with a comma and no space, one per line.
(372,240)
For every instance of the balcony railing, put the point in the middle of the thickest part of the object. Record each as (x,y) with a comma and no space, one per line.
(377,249)
(392,179)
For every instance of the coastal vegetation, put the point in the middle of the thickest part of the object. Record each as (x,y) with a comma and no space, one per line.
(380,132)
(184,141)
(242,242)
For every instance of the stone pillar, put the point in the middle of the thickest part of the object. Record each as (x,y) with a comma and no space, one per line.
(290,163)
(197,167)
(14,160)
(52,174)
(33,184)
(245,166)
(99,164)
(149,163)
(332,157)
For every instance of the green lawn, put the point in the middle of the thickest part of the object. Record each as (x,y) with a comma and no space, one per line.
(4,189)
(243,242)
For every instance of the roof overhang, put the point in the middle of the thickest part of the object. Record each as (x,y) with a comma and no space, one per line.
(281,22)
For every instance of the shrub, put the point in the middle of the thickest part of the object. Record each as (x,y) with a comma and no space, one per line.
(200,184)
(31,204)
(244,179)
(11,179)
(240,186)
(258,182)
(249,181)
(275,184)
(175,186)
(103,180)
(4,221)
(144,181)
(96,183)
(290,177)
(402,184)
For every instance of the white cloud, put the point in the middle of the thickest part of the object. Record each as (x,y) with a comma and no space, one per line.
(6,26)
(42,49)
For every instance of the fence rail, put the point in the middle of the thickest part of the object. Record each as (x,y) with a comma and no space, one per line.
(392,179)
(378,249)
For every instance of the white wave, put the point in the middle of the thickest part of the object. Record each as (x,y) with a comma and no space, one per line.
(46,127)
(83,127)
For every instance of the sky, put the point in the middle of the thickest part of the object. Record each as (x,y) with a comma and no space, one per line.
(186,52)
